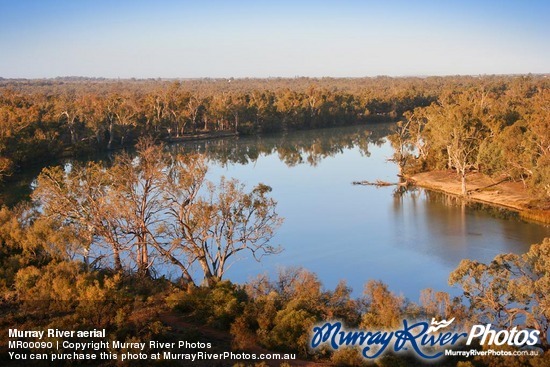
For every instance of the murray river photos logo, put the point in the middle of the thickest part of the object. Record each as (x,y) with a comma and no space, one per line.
(426,340)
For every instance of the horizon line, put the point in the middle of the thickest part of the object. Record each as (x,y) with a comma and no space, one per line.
(131,78)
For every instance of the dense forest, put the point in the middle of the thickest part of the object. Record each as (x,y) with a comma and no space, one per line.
(501,130)
(498,125)
(46,118)
(83,254)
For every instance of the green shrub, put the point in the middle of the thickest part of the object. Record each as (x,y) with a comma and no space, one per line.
(217,306)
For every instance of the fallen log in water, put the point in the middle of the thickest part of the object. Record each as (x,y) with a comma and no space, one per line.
(380,183)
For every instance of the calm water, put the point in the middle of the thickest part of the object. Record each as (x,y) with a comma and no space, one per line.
(356,233)
(410,241)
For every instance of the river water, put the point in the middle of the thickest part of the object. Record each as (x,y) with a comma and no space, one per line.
(409,240)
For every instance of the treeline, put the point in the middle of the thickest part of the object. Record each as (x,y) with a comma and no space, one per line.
(499,129)
(40,119)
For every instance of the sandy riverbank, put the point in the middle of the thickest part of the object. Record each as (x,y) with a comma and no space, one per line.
(481,188)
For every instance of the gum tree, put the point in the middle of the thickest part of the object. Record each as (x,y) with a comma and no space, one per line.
(212,229)
(512,290)
(155,206)
(456,127)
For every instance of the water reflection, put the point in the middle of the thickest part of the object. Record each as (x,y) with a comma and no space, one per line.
(410,239)
(297,147)
(451,229)
(292,148)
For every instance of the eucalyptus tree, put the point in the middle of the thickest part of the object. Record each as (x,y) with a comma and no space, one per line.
(176,101)
(154,110)
(121,111)
(137,196)
(401,143)
(455,126)
(93,115)
(125,111)
(528,150)
(511,291)
(155,207)
(80,200)
(210,224)
(410,143)
(194,105)
(212,230)
(220,109)
(69,112)
(262,105)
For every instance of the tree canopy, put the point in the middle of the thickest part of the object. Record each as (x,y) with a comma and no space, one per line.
(156,208)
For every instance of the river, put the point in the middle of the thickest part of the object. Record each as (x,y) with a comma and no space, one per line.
(410,240)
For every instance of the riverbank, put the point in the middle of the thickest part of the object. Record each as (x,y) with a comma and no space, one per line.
(481,188)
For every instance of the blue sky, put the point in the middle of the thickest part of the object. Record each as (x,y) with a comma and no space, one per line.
(145,39)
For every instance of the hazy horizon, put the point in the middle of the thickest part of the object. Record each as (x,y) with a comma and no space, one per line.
(269,77)
(259,39)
